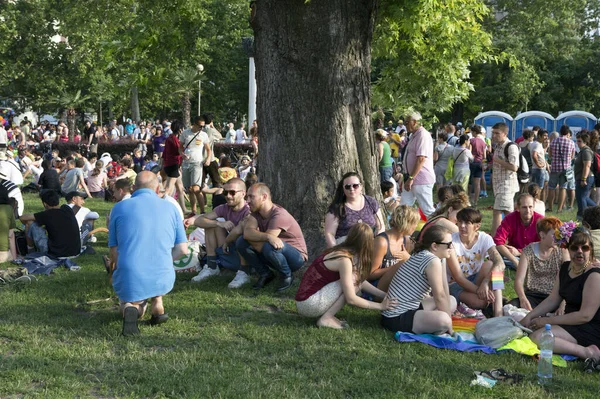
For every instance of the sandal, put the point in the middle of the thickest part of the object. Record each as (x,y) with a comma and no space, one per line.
(591,365)
(501,375)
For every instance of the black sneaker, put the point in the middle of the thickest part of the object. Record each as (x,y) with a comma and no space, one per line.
(130,321)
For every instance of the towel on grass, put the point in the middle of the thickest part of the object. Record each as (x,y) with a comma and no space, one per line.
(458,343)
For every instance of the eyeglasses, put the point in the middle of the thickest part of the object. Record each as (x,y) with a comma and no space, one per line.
(584,248)
(231,192)
(354,186)
(448,244)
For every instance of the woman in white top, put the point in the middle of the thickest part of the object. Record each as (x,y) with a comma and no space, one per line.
(462,156)
(441,154)
(474,258)
(422,275)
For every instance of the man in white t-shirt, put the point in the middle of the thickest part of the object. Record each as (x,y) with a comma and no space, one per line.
(473,263)
(9,168)
(195,144)
(538,157)
(85,217)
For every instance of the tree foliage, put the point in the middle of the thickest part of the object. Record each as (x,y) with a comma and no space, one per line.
(552,55)
(424,50)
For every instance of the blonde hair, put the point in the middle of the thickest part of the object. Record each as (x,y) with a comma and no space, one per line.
(359,242)
(404,218)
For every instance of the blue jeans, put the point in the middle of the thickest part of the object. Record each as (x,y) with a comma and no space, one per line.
(386,173)
(582,195)
(38,235)
(229,260)
(537,177)
(285,260)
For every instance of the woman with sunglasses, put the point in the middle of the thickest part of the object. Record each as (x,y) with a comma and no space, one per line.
(336,277)
(577,331)
(538,266)
(471,265)
(351,206)
(424,304)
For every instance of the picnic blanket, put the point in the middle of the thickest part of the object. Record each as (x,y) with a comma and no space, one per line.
(464,343)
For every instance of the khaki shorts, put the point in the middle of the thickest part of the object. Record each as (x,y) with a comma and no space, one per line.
(504,202)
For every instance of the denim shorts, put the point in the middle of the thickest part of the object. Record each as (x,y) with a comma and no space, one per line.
(557,179)
(455,288)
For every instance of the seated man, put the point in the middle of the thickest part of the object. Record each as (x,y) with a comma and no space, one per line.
(517,230)
(272,239)
(10,190)
(62,239)
(144,272)
(222,228)
(75,179)
(85,217)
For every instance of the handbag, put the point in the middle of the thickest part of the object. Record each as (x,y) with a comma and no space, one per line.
(499,331)
(450,170)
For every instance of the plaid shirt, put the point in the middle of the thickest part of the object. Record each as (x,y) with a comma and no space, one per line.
(505,181)
(562,151)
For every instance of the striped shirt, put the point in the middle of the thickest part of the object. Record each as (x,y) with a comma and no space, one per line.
(410,284)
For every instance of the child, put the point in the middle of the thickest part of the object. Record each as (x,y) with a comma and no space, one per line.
(389,199)
(151,163)
(138,160)
(539,207)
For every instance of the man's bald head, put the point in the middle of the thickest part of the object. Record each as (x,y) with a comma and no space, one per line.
(146,179)
(260,189)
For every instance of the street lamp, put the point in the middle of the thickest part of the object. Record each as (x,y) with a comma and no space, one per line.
(200,68)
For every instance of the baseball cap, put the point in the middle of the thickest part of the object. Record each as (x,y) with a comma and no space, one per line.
(73,194)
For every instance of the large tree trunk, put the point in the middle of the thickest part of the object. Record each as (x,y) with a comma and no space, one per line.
(186,109)
(313,64)
(71,117)
(135,105)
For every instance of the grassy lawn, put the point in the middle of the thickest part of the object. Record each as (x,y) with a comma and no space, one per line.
(60,338)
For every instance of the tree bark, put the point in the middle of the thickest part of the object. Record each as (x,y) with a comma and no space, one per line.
(186,109)
(135,105)
(313,64)
(71,116)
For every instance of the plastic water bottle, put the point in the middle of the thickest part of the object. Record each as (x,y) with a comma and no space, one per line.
(545,363)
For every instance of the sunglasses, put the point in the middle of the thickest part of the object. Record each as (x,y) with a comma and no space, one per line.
(448,244)
(231,192)
(584,248)
(354,186)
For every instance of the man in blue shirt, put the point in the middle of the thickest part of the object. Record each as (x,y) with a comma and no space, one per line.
(146,235)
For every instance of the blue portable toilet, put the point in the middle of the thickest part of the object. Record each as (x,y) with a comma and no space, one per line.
(577,121)
(490,118)
(527,120)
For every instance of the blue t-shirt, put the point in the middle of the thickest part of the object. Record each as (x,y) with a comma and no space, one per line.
(145,266)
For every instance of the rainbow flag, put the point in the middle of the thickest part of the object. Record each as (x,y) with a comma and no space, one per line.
(464,324)
(497,280)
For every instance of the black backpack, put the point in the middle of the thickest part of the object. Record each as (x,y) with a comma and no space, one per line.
(523,167)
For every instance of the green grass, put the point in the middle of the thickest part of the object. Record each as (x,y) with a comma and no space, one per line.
(55,342)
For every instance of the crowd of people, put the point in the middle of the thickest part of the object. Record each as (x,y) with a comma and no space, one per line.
(417,266)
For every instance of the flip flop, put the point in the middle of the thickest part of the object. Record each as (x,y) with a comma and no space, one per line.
(130,321)
(157,319)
